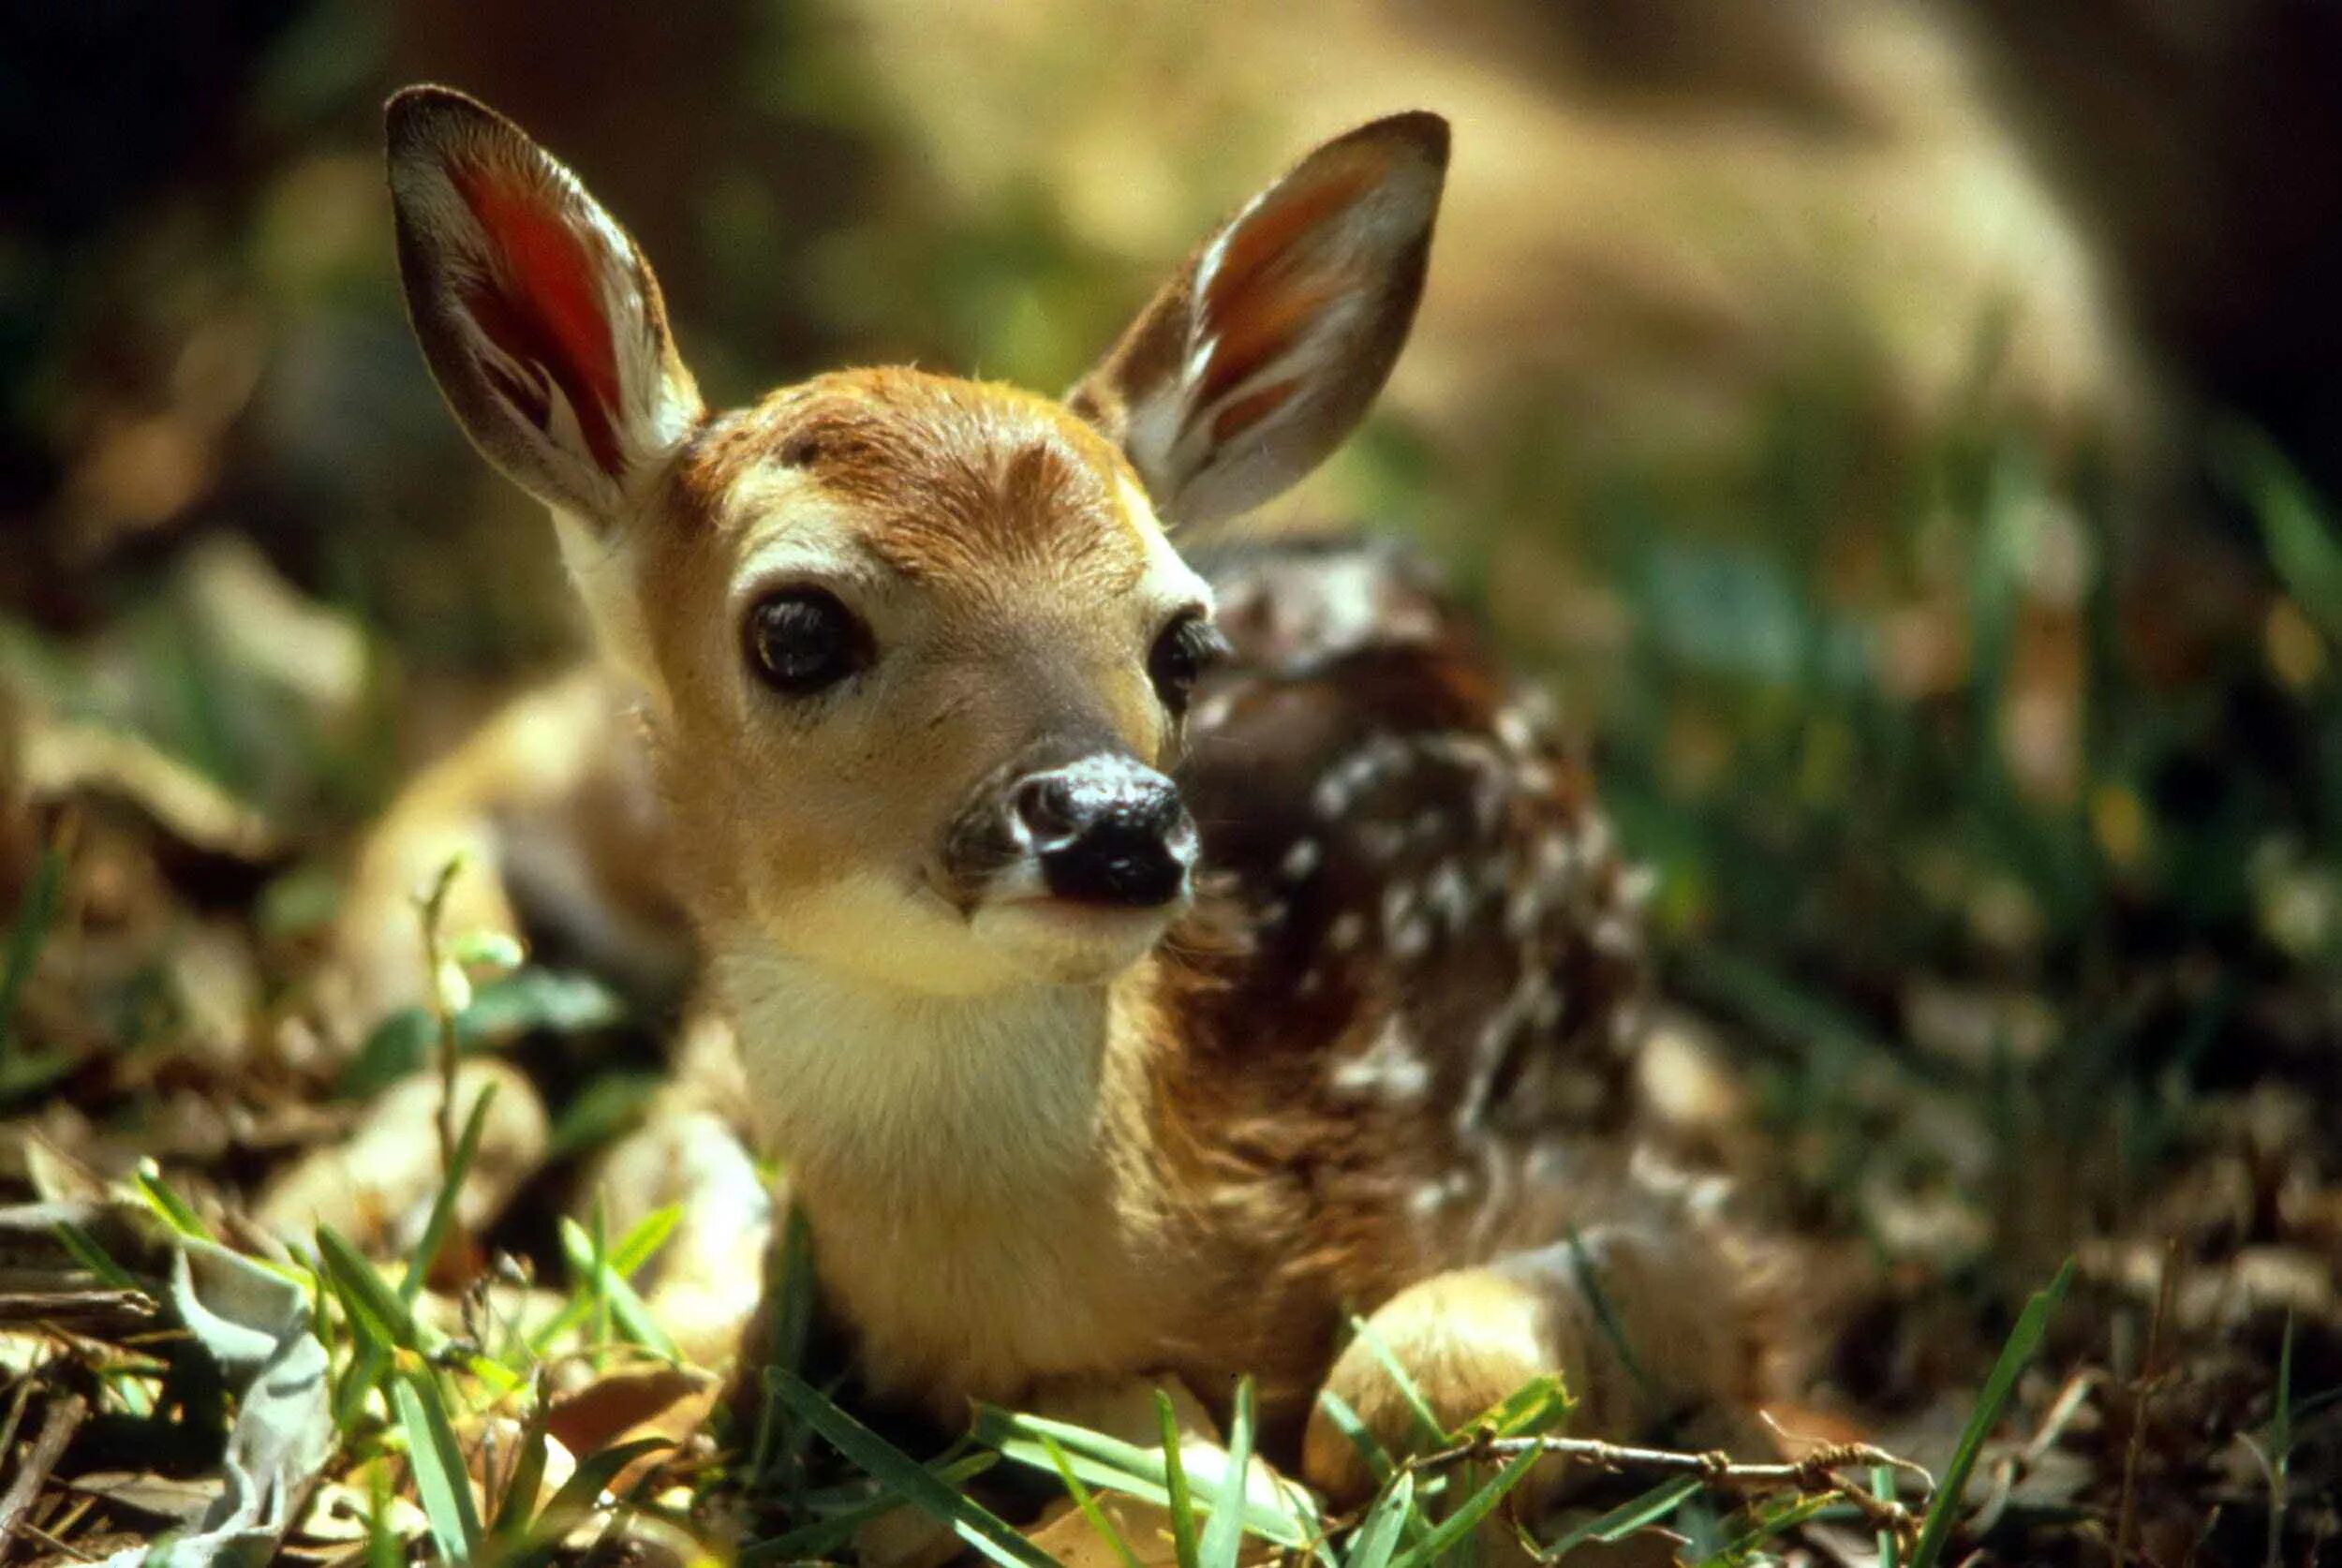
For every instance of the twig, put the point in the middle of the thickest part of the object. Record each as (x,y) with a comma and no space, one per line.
(1813,1474)
(15,1418)
(90,1313)
(67,1548)
(1715,1465)
(57,1428)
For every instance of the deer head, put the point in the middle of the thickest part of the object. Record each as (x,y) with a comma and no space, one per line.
(913,651)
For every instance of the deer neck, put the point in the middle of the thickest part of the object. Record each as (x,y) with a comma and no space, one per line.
(917,1101)
(959,1161)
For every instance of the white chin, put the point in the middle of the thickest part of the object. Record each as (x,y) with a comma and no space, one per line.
(1072,944)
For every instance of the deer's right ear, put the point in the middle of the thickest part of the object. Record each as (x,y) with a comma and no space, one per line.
(540,318)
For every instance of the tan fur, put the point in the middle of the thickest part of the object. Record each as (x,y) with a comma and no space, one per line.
(1377,1058)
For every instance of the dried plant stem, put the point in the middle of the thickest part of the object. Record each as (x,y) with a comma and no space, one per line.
(2126,1517)
(433,910)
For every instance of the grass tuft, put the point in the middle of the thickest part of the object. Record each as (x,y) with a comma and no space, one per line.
(2024,1341)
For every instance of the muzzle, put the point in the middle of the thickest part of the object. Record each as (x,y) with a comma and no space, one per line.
(1101,829)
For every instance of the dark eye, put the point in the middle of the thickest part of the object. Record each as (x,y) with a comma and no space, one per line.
(803,641)
(1188,647)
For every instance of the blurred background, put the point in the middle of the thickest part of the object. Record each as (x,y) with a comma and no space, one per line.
(1906,434)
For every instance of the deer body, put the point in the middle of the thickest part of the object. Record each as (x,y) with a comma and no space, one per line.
(1137,965)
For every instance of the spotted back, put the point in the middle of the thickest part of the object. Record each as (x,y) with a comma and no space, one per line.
(1428,1002)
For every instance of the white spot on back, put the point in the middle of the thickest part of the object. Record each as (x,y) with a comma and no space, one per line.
(1301,860)
(1390,1068)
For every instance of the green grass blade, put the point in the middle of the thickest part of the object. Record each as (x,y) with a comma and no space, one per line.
(1348,1423)
(83,1248)
(1378,1534)
(1631,1515)
(1536,1407)
(1936,1531)
(828,1535)
(384,1549)
(597,1275)
(1087,1503)
(364,1297)
(168,1206)
(643,1239)
(371,1355)
(1133,1470)
(521,1487)
(778,1437)
(913,1482)
(1223,1535)
(1588,1281)
(1179,1502)
(499,1378)
(2302,545)
(579,1498)
(1426,1423)
(1774,1520)
(1883,1489)
(441,1481)
(609,1291)
(637,1323)
(435,1228)
(369,1364)
(27,937)
(591,1293)
(1451,1532)
(792,1315)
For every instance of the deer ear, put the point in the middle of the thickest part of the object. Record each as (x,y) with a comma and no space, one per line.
(540,317)
(1261,355)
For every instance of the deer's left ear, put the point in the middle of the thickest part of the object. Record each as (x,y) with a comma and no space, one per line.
(1263,353)
(539,314)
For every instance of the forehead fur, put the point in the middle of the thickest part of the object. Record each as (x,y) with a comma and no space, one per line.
(944,476)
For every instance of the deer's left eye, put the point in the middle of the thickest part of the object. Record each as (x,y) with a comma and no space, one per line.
(803,640)
(1186,649)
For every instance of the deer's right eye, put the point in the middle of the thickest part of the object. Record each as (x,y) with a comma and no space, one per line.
(803,641)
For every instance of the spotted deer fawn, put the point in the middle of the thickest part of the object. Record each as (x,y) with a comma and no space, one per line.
(1139,966)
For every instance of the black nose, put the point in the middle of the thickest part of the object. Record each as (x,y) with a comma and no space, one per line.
(1107,830)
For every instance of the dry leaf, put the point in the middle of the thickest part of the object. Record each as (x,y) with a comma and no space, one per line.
(376,1188)
(180,1502)
(669,1402)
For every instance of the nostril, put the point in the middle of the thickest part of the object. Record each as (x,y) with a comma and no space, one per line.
(1136,854)
(1047,808)
(1116,866)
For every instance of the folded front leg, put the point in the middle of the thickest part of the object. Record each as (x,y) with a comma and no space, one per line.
(1644,1324)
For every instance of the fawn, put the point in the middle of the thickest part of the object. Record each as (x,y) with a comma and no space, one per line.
(1137,965)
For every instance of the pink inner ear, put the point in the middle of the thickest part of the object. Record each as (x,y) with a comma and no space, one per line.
(1259,301)
(543,305)
(1252,408)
